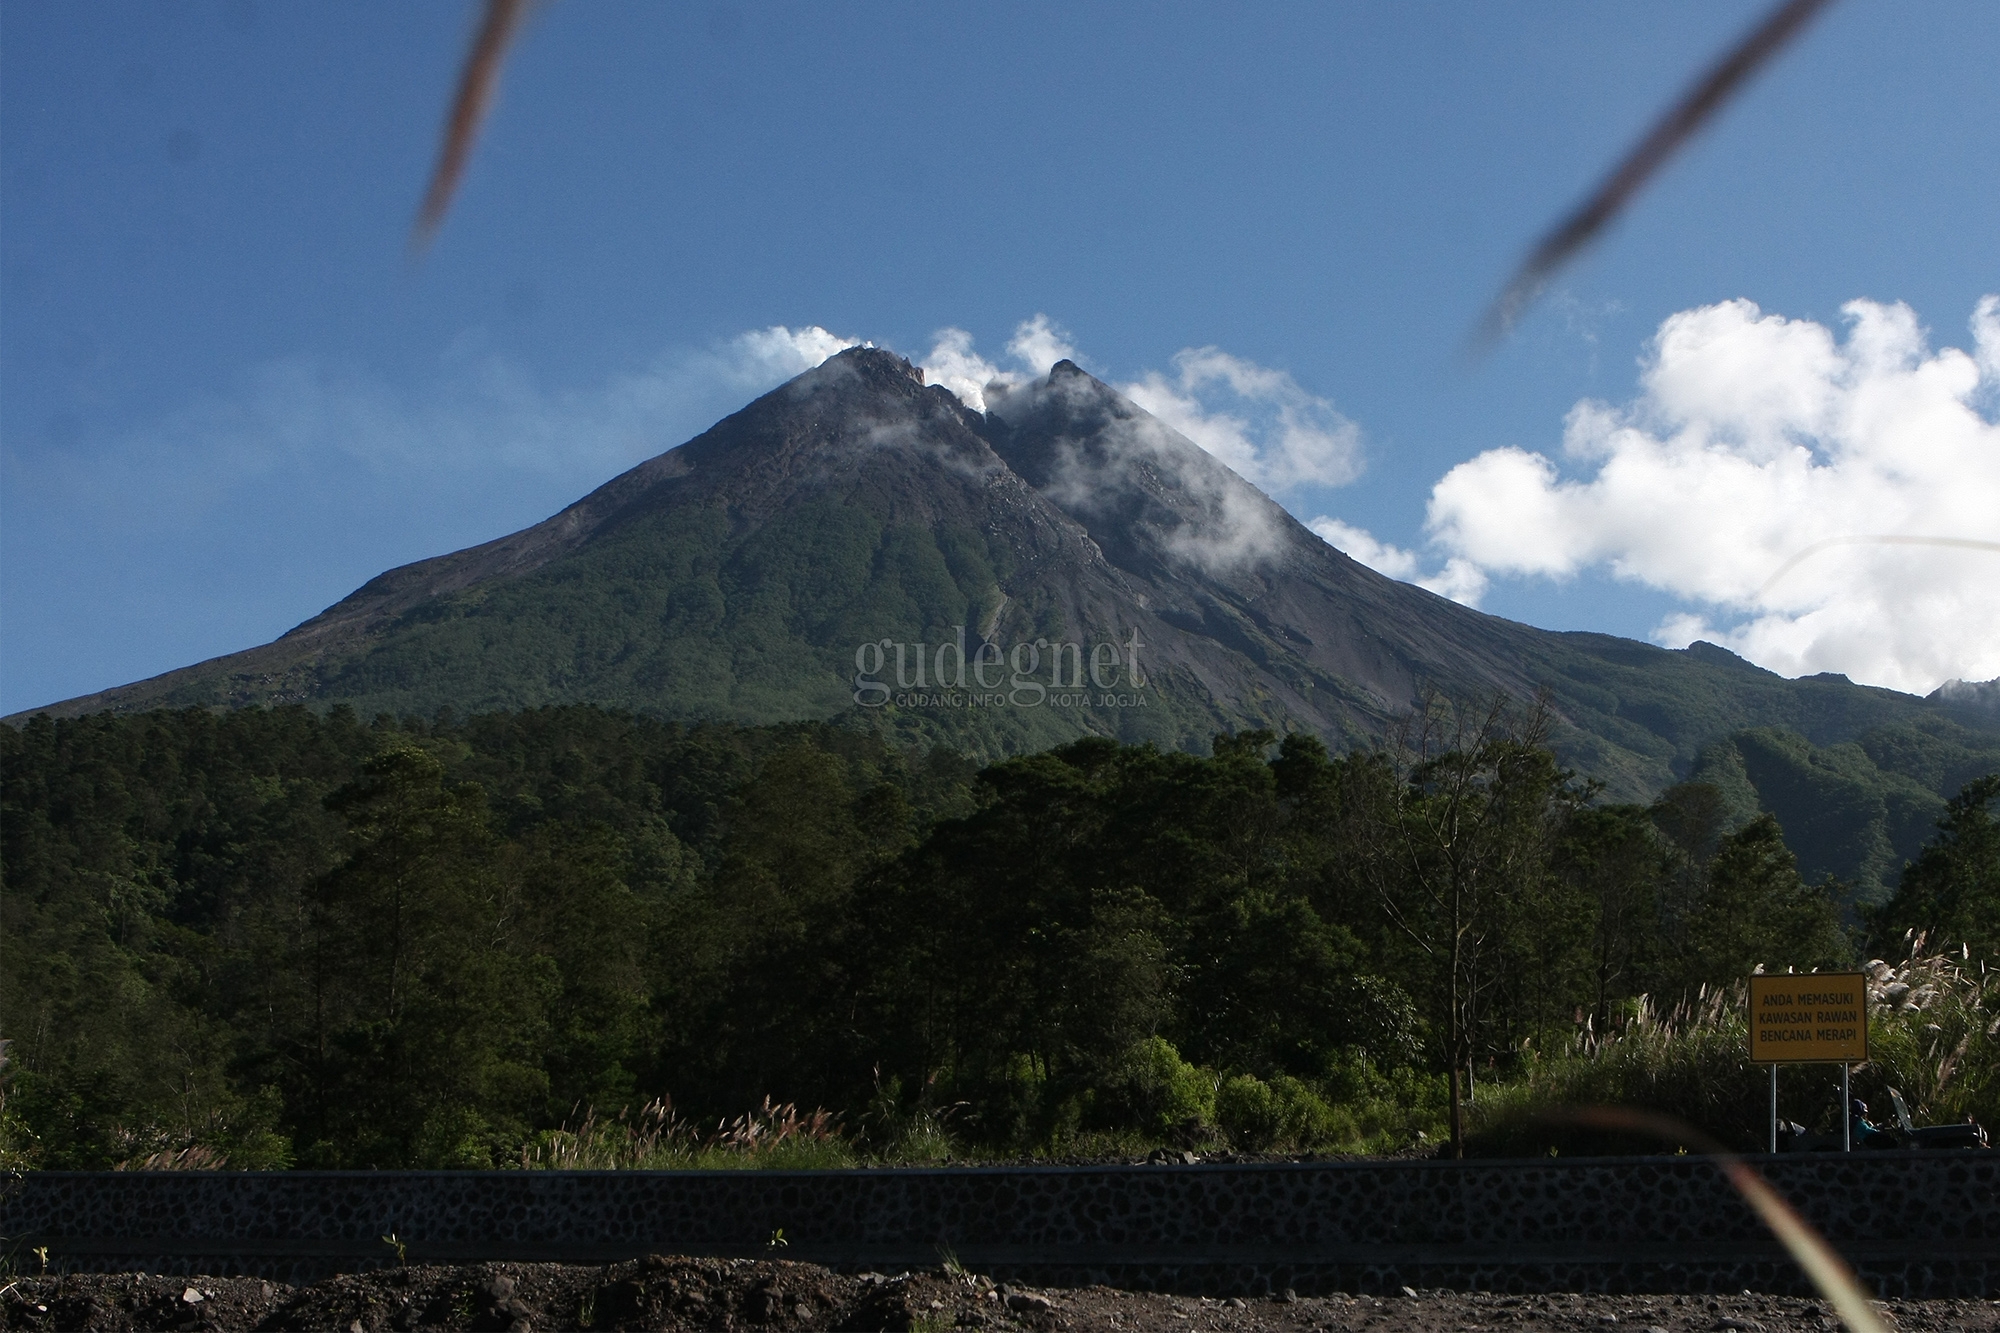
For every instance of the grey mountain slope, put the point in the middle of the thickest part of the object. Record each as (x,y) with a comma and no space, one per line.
(736,575)
(1219,559)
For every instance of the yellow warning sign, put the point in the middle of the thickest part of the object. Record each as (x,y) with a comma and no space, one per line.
(1814,1016)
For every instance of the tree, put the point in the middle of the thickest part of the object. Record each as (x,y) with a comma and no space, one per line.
(1618,862)
(1951,892)
(1691,816)
(416,1021)
(1756,909)
(1469,845)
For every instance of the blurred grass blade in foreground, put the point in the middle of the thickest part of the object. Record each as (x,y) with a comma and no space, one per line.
(1696,107)
(1864,539)
(1828,1271)
(476,86)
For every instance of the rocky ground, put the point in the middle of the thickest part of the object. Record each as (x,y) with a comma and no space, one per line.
(672,1293)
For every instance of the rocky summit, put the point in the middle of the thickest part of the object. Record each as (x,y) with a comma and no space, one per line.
(857,543)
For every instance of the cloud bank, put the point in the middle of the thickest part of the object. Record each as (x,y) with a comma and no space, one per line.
(1824,505)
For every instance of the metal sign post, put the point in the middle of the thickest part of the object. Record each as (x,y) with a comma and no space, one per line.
(1774,1108)
(1846,1114)
(1810,1018)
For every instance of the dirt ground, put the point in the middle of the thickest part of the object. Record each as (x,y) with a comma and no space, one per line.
(674,1294)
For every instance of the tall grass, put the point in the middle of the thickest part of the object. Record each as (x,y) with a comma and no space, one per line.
(655,1138)
(1933,1034)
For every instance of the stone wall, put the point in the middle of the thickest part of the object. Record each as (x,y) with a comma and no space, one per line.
(1913,1224)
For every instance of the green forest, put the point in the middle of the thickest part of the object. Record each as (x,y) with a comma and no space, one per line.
(274,938)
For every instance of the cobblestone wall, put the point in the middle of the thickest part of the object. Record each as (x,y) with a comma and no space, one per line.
(1913,1224)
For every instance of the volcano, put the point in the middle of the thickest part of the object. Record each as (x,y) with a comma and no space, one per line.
(857,544)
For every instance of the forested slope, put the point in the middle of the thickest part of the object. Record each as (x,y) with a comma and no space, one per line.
(1857,810)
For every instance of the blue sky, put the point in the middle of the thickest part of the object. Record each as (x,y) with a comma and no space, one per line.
(228,395)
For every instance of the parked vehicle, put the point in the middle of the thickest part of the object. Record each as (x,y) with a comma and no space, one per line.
(1868,1136)
(1970,1134)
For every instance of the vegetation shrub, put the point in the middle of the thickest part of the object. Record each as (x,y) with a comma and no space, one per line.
(1305,1121)
(1248,1111)
(1688,1063)
(1157,1092)
(1383,1110)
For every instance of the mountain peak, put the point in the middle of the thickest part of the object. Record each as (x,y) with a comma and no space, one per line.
(875,360)
(748,573)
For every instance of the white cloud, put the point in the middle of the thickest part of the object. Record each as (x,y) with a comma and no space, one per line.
(1986,339)
(1257,420)
(1756,439)
(1359,543)
(1459,579)
(1230,522)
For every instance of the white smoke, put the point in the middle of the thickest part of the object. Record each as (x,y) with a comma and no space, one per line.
(1277,436)
(1231,523)
(1257,421)
(778,353)
(1756,475)
(1037,344)
(954,364)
